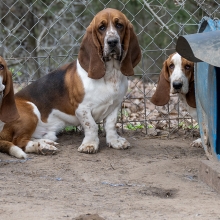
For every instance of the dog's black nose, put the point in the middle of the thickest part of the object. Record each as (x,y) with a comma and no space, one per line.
(112,42)
(177,85)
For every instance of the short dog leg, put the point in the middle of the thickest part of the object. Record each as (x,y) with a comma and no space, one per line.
(9,148)
(41,146)
(90,142)
(112,138)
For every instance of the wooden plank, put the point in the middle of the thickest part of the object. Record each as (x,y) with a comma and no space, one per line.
(209,173)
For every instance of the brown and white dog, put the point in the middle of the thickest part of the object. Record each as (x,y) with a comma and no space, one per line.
(177,76)
(84,92)
(8,110)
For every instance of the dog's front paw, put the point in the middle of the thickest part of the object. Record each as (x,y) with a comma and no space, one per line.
(46,146)
(118,143)
(197,143)
(89,148)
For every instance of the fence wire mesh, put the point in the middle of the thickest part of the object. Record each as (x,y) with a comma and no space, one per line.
(37,36)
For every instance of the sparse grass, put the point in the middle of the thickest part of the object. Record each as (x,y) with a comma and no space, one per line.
(17,73)
(134,127)
(137,126)
(184,126)
(70,128)
(150,126)
(125,112)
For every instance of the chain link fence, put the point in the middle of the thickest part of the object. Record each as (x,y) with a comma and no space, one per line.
(37,36)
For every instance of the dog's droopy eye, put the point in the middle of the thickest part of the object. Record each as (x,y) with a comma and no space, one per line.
(1,67)
(187,67)
(102,27)
(119,26)
(171,66)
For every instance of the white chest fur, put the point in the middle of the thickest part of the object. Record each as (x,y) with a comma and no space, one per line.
(105,94)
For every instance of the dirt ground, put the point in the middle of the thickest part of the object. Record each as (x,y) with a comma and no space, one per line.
(154,179)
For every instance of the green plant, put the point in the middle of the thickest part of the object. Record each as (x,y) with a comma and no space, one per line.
(124,112)
(70,128)
(150,126)
(15,74)
(134,127)
(184,126)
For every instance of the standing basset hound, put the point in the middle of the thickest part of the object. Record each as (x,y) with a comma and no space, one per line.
(177,76)
(84,92)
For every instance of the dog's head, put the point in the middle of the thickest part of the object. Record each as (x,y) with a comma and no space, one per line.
(109,36)
(8,110)
(177,76)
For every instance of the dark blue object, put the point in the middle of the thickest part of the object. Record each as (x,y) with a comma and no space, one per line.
(203,48)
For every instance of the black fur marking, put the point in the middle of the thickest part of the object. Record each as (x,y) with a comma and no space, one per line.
(47,92)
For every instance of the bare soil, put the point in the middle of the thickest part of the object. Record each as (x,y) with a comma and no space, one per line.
(154,179)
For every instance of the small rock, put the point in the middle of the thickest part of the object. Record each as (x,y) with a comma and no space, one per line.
(89,217)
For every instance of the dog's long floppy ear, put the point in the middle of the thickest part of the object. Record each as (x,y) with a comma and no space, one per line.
(190,96)
(90,54)
(162,93)
(131,51)
(8,109)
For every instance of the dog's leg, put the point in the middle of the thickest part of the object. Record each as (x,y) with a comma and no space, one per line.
(6,145)
(90,142)
(29,145)
(112,138)
(9,148)
(41,146)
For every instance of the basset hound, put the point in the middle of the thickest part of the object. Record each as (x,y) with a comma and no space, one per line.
(84,92)
(8,110)
(177,76)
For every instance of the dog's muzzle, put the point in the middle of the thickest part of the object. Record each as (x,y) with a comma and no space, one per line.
(112,42)
(114,49)
(177,86)
(112,56)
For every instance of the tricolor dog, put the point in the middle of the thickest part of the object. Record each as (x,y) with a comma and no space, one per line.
(177,76)
(84,92)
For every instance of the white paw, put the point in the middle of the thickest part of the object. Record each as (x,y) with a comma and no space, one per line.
(17,152)
(46,146)
(118,143)
(197,143)
(89,147)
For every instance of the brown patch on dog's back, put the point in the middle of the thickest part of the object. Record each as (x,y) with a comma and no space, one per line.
(53,91)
